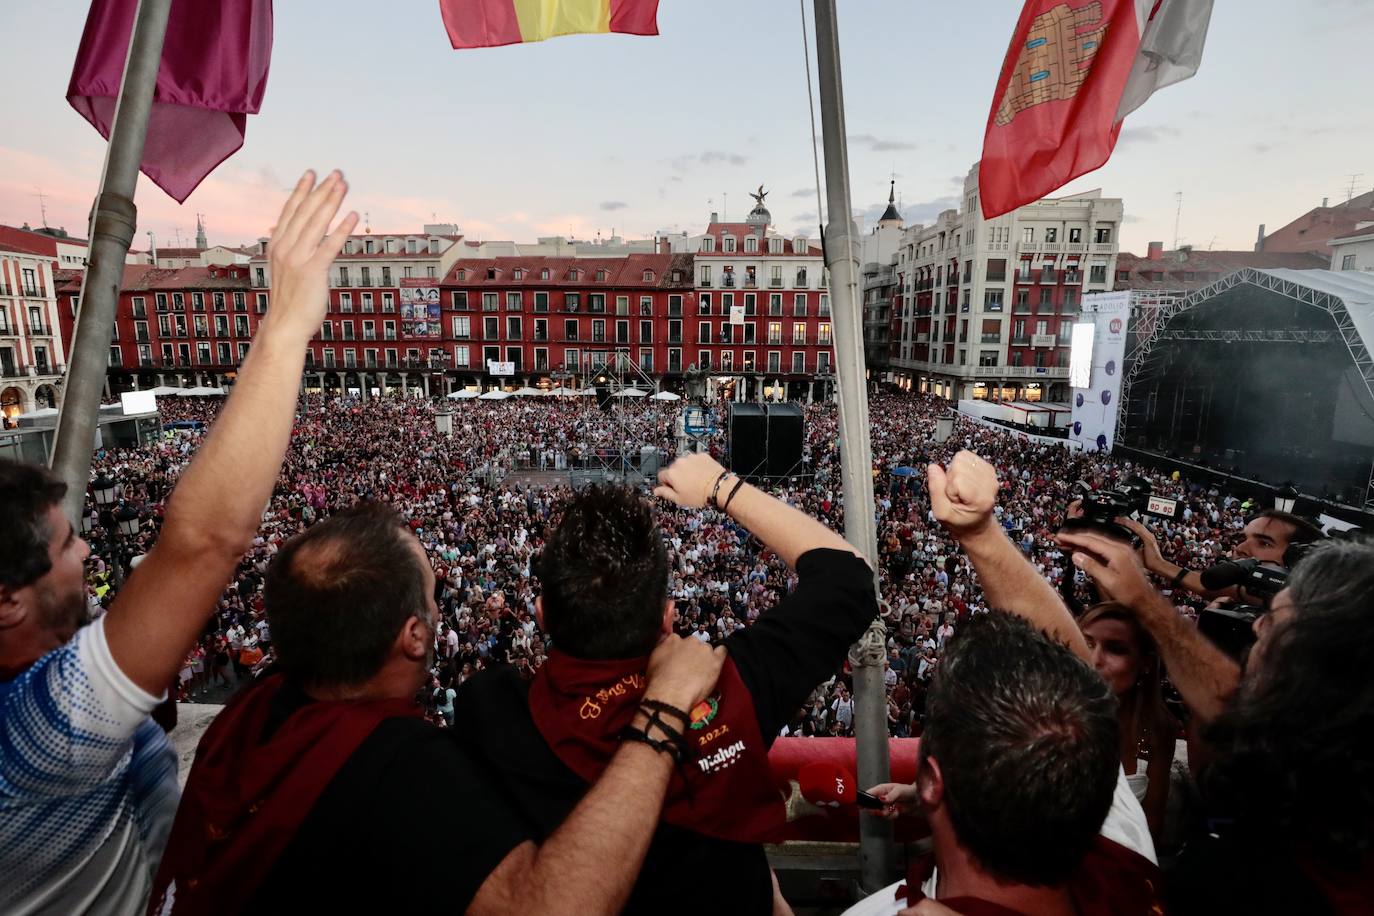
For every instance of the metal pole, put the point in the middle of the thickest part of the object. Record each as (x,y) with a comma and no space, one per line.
(114,219)
(877,857)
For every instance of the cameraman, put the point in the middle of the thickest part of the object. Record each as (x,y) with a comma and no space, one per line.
(1266,537)
(1291,826)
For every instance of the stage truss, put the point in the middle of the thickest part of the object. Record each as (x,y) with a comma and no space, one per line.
(1152,311)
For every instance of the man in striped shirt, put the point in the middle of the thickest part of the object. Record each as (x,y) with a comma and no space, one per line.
(87,781)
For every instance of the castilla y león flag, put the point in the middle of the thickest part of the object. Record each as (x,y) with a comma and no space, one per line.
(1074,70)
(486,23)
(212,76)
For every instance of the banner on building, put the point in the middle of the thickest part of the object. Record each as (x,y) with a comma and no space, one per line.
(737,314)
(1095,405)
(420,313)
(505,369)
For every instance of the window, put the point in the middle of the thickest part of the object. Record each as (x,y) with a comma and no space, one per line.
(799,305)
(775,332)
(1027,235)
(541,329)
(728,244)
(1102,235)
(674,360)
(513,302)
(238,302)
(775,247)
(1348,262)
(600,275)
(823,361)
(646,306)
(259,277)
(198,302)
(727,361)
(991,331)
(798,362)
(222,352)
(461,355)
(750,304)
(389,330)
(345,302)
(1051,235)
(462,327)
(596,302)
(513,328)
(200,326)
(997,269)
(622,305)
(203,353)
(801,278)
(571,360)
(571,302)
(992,300)
(541,302)
(1075,236)
(646,360)
(823,333)
(775,272)
(491,302)
(798,334)
(241,326)
(751,244)
(706,275)
(369,330)
(491,328)
(774,361)
(704,359)
(708,244)
(161,299)
(646,332)
(622,332)
(327,331)
(1097,273)
(1046,298)
(389,301)
(570,329)
(704,332)
(704,306)
(1070,299)
(366,301)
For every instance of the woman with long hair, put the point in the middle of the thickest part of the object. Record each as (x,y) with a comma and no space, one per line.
(1124,654)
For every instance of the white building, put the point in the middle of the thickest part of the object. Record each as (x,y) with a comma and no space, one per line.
(987,306)
(32,355)
(1354,252)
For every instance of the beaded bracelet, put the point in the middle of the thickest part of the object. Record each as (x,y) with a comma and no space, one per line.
(715,490)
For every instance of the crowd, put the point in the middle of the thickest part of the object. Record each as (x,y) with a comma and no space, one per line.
(481,532)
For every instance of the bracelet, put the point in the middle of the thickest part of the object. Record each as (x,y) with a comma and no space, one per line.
(630,733)
(1177,580)
(649,707)
(674,736)
(739,483)
(715,490)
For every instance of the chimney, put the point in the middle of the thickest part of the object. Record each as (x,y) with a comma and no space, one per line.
(1156,251)
(715,217)
(1259,242)
(1324,200)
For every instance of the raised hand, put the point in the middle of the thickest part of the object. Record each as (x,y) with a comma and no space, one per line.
(962,496)
(1112,564)
(1150,554)
(300,253)
(687,482)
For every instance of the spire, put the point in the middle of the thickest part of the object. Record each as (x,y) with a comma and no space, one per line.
(201,244)
(890,215)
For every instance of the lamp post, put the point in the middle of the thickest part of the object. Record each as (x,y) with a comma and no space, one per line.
(1286,499)
(443,421)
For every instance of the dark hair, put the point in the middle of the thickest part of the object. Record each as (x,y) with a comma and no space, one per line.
(1296,761)
(338,593)
(604,574)
(1026,737)
(1304,532)
(27,492)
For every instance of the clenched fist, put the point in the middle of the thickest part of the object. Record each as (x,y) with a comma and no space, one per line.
(963,495)
(688,480)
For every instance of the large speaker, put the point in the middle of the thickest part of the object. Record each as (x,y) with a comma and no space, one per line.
(765,440)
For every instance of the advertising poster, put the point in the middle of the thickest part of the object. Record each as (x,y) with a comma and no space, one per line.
(1095,405)
(420,312)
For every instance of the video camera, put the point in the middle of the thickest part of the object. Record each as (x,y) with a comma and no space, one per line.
(1232,628)
(1101,508)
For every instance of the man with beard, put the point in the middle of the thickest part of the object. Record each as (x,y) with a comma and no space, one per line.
(87,781)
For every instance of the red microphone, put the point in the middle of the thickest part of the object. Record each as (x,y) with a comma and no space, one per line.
(831,785)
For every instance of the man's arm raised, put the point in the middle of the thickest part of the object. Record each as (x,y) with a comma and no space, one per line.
(1205,677)
(218,503)
(590,863)
(962,497)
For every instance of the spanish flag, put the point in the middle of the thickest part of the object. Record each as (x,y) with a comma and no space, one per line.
(488,23)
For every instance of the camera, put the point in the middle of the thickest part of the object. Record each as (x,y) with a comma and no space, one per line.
(1232,628)
(1101,508)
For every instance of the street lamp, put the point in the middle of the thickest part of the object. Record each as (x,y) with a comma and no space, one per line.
(103,490)
(443,421)
(128,521)
(1286,499)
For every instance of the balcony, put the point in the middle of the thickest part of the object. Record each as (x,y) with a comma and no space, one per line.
(728,282)
(1049,276)
(1020,340)
(705,283)
(676,338)
(990,338)
(775,283)
(1042,341)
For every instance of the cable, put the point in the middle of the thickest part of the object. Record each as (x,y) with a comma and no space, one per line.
(811,106)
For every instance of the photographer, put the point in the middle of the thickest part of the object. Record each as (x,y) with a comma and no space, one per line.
(1266,537)
(1292,814)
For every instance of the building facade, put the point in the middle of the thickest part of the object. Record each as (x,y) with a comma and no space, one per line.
(987,306)
(1354,251)
(32,346)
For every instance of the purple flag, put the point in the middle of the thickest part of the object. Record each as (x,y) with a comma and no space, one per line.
(212,76)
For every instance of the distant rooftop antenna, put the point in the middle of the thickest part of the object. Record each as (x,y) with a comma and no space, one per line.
(367,222)
(42,206)
(1178,216)
(1349,191)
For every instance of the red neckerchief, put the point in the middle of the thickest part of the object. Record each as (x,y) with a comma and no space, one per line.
(1112,881)
(246,798)
(723,790)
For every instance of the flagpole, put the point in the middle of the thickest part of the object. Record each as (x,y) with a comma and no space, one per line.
(114,219)
(876,852)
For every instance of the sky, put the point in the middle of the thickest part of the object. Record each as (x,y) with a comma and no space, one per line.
(627,134)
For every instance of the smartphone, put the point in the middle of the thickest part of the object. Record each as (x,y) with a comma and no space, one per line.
(866,800)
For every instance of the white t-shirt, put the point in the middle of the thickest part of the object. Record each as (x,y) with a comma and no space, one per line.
(1125,824)
(88,784)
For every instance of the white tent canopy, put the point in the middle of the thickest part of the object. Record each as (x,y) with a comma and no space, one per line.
(527,392)
(630,393)
(167,389)
(560,391)
(494,395)
(201,392)
(463,395)
(667,396)
(40,412)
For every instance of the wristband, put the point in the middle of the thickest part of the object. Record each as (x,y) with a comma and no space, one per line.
(630,733)
(715,490)
(1177,580)
(739,483)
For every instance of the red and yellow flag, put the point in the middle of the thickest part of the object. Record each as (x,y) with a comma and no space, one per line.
(488,23)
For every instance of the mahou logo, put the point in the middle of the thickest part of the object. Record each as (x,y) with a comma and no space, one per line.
(1115,326)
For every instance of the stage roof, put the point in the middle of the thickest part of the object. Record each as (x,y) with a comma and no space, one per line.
(1353,287)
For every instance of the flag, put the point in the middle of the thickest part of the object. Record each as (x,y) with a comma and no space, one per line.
(1074,70)
(488,23)
(212,75)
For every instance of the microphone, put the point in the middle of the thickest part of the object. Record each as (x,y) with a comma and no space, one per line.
(827,784)
(1227,573)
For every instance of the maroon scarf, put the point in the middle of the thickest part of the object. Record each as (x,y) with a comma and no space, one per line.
(246,798)
(723,790)
(1112,881)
